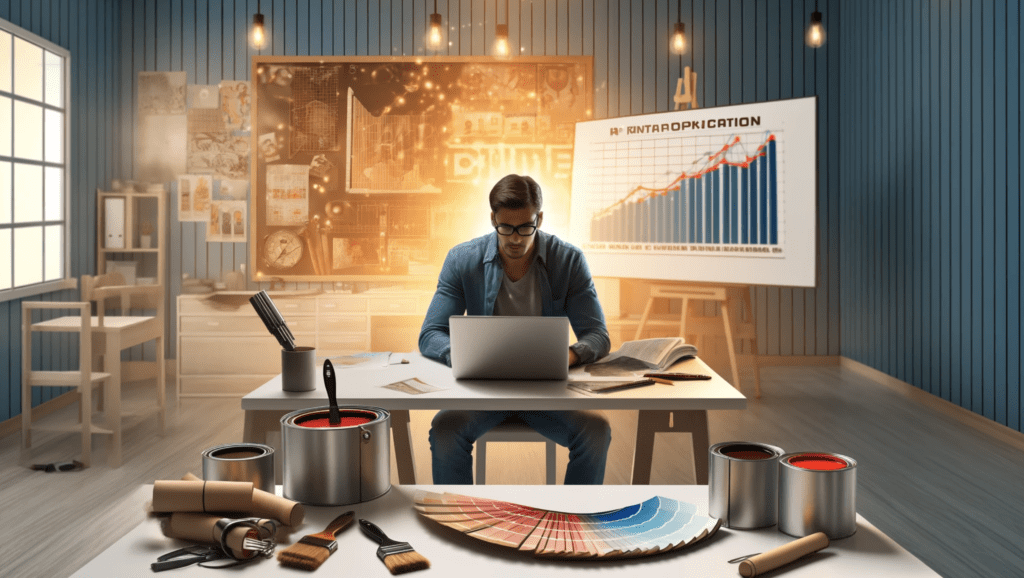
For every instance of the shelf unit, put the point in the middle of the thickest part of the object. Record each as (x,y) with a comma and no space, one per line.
(120,245)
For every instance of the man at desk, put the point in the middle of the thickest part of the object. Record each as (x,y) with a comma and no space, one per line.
(517,270)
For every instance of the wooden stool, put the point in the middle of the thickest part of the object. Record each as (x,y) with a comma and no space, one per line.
(512,430)
(720,295)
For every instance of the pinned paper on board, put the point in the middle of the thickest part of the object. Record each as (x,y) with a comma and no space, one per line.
(161,93)
(194,195)
(219,153)
(287,195)
(232,190)
(235,104)
(204,96)
(227,222)
(160,148)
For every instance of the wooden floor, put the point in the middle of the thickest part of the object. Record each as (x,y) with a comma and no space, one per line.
(946,491)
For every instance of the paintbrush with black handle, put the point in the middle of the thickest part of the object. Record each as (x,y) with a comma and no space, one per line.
(271,317)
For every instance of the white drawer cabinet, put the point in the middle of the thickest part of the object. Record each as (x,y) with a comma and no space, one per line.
(224,350)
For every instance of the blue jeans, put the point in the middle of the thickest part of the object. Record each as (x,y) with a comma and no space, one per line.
(586,434)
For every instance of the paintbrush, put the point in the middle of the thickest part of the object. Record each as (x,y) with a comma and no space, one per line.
(313,550)
(399,557)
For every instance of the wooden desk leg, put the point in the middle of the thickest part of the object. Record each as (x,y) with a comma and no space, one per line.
(696,422)
(112,401)
(730,345)
(402,436)
(161,388)
(650,422)
(260,422)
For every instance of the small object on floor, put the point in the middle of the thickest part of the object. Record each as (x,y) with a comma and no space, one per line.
(313,550)
(399,557)
(72,466)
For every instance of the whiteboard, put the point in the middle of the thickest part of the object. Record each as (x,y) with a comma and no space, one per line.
(725,194)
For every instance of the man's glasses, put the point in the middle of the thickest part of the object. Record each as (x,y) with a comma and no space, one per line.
(524,230)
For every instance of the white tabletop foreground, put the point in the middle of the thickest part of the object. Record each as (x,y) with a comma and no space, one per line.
(868,552)
(364,386)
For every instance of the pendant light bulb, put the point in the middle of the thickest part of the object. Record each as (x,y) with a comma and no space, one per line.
(258,36)
(816,31)
(435,36)
(679,38)
(501,47)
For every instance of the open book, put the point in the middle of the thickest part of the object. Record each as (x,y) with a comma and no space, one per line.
(656,354)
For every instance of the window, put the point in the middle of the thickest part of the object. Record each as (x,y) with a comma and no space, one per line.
(33,163)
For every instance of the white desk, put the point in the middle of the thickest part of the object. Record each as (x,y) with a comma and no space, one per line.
(869,552)
(663,408)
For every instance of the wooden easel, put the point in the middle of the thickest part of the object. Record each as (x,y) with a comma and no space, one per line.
(728,297)
(689,95)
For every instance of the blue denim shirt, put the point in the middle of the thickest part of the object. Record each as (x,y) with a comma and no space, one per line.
(469,283)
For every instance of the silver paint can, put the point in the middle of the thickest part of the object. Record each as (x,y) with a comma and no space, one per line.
(817,493)
(743,484)
(328,465)
(243,462)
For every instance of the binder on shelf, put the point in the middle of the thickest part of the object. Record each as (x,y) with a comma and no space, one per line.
(113,213)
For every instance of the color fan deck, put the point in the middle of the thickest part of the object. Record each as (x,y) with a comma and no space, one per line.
(651,527)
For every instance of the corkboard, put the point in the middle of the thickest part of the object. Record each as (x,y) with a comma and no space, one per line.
(372,168)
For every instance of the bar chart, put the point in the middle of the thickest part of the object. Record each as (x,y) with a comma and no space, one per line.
(712,190)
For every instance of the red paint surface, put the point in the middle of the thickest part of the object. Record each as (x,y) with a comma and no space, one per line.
(750,455)
(348,419)
(818,462)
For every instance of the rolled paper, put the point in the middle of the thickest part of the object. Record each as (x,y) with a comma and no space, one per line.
(188,496)
(267,505)
(783,555)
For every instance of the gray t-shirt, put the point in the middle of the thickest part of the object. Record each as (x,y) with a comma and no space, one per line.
(520,297)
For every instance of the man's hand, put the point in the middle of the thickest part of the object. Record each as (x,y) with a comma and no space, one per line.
(573,358)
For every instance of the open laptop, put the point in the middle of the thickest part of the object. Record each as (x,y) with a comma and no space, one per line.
(494,347)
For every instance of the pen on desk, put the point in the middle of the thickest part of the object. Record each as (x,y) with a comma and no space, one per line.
(659,380)
(678,376)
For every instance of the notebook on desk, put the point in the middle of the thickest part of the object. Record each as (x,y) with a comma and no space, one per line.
(492,347)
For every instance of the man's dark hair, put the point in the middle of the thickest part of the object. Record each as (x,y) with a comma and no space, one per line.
(516,192)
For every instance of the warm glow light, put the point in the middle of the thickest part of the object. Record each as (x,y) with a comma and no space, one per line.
(434,32)
(816,31)
(258,37)
(679,38)
(501,47)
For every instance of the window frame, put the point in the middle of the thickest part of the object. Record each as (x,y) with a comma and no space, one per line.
(66,281)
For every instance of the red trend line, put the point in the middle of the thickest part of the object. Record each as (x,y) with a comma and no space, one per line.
(643,193)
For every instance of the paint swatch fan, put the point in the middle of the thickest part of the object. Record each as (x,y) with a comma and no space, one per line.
(651,527)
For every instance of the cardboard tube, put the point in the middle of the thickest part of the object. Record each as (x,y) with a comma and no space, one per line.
(186,496)
(267,505)
(241,497)
(783,555)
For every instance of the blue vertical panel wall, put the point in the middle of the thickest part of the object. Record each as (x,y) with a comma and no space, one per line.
(742,52)
(930,154)
(90,30)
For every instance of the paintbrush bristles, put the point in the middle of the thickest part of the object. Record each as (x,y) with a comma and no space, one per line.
(304,555)
(406,562)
